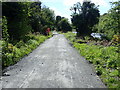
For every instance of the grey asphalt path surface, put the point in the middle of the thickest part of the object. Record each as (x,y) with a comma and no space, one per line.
(54,64)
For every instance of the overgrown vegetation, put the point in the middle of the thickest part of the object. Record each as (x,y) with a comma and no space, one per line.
(104,53)
(84,17)
(62,24)
(24,27)
(105,59)
(13,53)
(25,17)
(109,22)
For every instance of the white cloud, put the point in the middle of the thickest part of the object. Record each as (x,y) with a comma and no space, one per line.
(51,1)
(70,2)
(100,2)
(57,12)
(65,12)
(97,2)
(61,13)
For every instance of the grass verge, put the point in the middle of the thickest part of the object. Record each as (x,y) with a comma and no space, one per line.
(105,59)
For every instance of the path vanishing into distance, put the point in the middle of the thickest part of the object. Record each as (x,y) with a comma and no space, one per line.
(54,64)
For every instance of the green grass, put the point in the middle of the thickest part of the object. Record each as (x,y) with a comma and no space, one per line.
(13,53)
(105,59)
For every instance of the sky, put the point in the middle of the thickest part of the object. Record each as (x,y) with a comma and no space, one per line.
(62,7)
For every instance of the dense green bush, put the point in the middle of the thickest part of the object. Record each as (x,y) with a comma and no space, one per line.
(26,17)
(17,17)
(64,25)
(23,24)
(109,22)
(5,34)
(84,17)
(12,53)
(105,59)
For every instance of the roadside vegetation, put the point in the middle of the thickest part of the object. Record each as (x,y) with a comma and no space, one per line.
(86,19)
(24,27)
(102,51)
(11,54)
(105,59)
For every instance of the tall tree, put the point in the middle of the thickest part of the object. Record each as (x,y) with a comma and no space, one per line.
(17,17)
(35,13)
(58,19)
(24,17)
(64,25)
(109,22)
(84,17)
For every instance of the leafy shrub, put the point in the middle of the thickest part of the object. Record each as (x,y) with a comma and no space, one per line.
(12,53)
(116,39)
(70,36)
(105,59)
(19,44)
(7,59)
(109,22)
(17,17)
(5,34)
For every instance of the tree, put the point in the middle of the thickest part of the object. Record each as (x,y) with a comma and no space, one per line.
(25,17)
(58,19)
(17,17)
(41,18)
(64,25)
(84,17)
(109,22)
(48,16)
(35,13)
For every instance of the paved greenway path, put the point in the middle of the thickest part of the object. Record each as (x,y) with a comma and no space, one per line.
(54,64)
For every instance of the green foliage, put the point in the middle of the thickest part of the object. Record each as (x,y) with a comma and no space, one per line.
(48,16)
(85,16)
(116,40)
(41,17)
(17,17)
(11,54)
(25,17)
(5,34)
(58,19)
(23,24)
(70,36)
(109,22)
(105,59)
(64,25)
(19,44)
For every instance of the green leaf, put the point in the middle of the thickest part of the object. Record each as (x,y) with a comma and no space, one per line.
(114,73)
